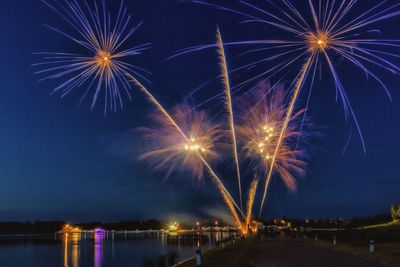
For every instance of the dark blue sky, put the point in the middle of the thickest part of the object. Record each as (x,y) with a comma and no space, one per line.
(60,162)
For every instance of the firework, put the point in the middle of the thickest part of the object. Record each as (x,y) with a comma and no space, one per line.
(228,101)
(263,113)
(331,29)
(98,63)
(176,151)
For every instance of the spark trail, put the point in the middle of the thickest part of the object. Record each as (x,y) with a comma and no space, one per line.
(250,200)
(228,102)
(289,113)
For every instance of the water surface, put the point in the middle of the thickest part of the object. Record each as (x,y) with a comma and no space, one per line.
(101,250)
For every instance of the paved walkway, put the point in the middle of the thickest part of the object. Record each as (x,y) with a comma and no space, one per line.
(290,252)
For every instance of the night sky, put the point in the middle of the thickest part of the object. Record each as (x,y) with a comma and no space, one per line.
(58,161)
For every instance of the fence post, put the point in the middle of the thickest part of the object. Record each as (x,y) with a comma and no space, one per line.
(334,239)
(371,246)
(198,256)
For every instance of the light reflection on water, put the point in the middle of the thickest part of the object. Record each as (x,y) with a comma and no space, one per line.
(102,249)
(98,248)
(72,245)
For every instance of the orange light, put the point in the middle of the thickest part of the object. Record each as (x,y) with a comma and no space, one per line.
(103,59)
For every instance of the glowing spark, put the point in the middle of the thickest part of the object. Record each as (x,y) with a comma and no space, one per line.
(100,63)
(318,41)
(171,146)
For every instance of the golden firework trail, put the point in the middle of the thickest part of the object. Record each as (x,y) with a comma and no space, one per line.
(227,197)
(98,61)
(250,200)
(284,128)
(153,100)
(228,101)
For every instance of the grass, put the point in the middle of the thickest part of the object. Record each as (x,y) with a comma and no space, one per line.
(388,253)
(235,255)
(392,223)
(356,242)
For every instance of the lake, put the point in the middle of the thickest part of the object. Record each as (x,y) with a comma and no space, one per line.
(102,249)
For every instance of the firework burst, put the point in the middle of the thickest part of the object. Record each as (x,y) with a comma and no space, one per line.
(172,150)
(99,62)
(262,116)
(263,113)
